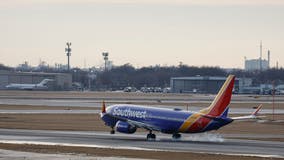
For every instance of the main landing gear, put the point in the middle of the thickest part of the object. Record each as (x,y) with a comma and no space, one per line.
(176,136)
(151,136)
(112,131)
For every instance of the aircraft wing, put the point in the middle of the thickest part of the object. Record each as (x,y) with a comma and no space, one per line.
(143,125)
(252,116)
(26,87)
(136,123)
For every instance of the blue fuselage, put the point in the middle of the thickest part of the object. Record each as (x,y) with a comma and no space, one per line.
(167,120)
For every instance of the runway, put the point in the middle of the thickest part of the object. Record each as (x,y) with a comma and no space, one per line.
(228,144)
(209,143)
(96,105)
(88,102)
(135,96)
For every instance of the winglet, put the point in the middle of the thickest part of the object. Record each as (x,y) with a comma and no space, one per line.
(103,107)
(256,111)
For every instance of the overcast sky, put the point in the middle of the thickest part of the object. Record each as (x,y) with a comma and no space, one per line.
(141,32)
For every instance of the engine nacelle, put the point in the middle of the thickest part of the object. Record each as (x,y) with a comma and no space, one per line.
(125,127)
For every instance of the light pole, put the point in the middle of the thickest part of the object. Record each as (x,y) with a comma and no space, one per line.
(68,53)
(273,100)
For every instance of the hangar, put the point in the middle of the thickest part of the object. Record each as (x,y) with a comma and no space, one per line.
(205,84)
(62,81)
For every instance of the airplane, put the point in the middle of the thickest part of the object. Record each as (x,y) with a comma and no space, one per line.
(126,118)
(40,86)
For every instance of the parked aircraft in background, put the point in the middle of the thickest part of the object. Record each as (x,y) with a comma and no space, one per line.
(127,118)
(40,86)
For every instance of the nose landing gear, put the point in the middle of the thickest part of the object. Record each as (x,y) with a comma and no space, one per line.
(151,136)
(112,131)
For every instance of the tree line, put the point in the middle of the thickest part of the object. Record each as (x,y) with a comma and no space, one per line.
(159,76)
(126,75)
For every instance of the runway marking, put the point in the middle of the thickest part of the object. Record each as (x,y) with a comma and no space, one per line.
(49,111)
(74,145)
(131,148)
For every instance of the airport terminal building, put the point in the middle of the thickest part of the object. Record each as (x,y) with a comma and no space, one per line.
(62,81)
(205,84)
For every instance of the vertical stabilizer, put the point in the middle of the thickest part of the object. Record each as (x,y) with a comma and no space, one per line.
(103,107)
(219,106)
(44,82)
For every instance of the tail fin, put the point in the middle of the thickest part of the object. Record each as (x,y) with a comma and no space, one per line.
(219,106)
(103,107)
(44,82)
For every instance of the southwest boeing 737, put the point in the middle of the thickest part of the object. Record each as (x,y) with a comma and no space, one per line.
(127,118)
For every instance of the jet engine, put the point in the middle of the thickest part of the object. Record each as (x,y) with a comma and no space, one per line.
(125,127)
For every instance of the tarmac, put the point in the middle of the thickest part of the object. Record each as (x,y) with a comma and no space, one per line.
(19,155)
(95,106)
(199,143)
(226,144)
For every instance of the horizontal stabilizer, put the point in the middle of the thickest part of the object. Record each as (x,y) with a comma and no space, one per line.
(252,116)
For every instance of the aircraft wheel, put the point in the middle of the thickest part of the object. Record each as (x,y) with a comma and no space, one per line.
(112,131)
(151,136)
(176,136)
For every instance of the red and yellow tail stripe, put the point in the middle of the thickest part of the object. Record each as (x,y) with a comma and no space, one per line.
(196,122)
